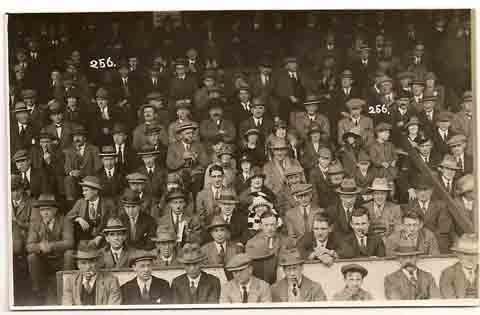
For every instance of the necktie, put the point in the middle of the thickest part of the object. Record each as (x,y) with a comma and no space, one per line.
(221,254)
(88,287)
(449,186)
(25,178)
(460,162)
(150,172)
(133,229)
(244,294)
(349,214)
(115,255)
(294,290)
(413,279)
(154,82)
(217,194)
(305,218)
(91,210)
(22,130)
(364,242)
(356,122)
(193,289)
(145,295)
(177,222)
(270,242)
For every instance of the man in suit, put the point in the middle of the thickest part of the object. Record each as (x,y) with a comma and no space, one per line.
(410,282)
(299,220)
(428,114)
(302,121)
(89,286)
(344,92)
(35,181)
(414,234)
(318,176)
(156,174)
(356,120)
(258,120)
(462,122)
(91,213)
(126,157)
(457,146)
(49,247)
(244,287)
(59,128)
(165,247)
(216,124)
(183,84)
(154,82)
(364,66)
(137,183)
(447,175)
(400,115)
(460,280)
(116,254)
(22,214)
(436,216)
(321,243)
(275,169)
(143,131)
(221,249)
(82,159)
(194,286)
(361,243)
(141,226)
(242,108)
(353,275)
(261,80)
(23,132)
(380,210)
(126,86)
(37,114)
(295,286)
(236,219)
(443,132)
(145,288)
(111,177)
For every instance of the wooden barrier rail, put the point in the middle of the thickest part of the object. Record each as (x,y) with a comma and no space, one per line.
(330,278)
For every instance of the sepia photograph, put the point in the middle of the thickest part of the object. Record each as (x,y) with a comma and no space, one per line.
(241,159)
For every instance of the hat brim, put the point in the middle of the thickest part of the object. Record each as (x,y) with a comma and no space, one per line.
(350,134)
(187,128)
(238,268)
(148,257)
(86,257)
(353,192)
(162,240)
(463,251)
(91,185)
(192,261)
(107,154)
(21,110)
(228,202)
(117,229)
(148,153)
(379,188)
(451,167)
(413,253)
(218,225)
(264,256)
(362,271)
(292,263)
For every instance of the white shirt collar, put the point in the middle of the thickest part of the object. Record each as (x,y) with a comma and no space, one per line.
(95,203)
(141,284)
(468,204)
(91,282)
(118,252)
(409,276)
(247,286)
(195,281)
(224,244)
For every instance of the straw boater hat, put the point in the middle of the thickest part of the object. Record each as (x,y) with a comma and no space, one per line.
(238,262)
(218,221)
(164,235)
(466,244)
(449,162)
(185,126)
(114,225)
(354,268)
(141,255)
(348,187)
(45,201)
(380,184)
(20,107)
(312,100)
(191,253)
(92,182)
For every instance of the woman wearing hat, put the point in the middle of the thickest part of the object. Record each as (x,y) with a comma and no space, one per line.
(256,209)
(255,186)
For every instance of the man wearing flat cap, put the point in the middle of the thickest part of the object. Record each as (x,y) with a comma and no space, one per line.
(81,159)
(195,286)
(353,275)
(145,288)
(116,253)
(89,286)
(410,282)
(49,246)
(460,280)
(91,213)
(295,286)
(244,287)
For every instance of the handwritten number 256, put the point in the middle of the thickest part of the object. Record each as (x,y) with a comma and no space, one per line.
(102,63)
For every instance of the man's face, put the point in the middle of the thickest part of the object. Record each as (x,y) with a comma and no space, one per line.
(443,125)
(243,276)
(336,179)
(353,280)
(217,178)
(384,135)
(269,226)
(149,161)
(293,273)
(304,199)
(165,249)
(346,82)
(348,200)
(88,267)
(363,166)
(364,53)
(405,82)
(292,66)
(258,111)
(360,224)
(183,113)
(48,213)
(324,162)
(467,106)
(280,154)
(265,70)
(413,129)
(19,75)
(219,234)
(149,114)
(245,166)
(154,138)
(208,82)
(294,179)
(425,148)
(102,102)
(216,113)
(457,149)
(75,56)
(193,270)
(22,117)
(108,162)
(132,210)
(90,194)
(143,269)
(408,262)
(55,76)
(180,70)
(321,230)
(187,136)
(417,89)
(316,136)
(137,187)
(72,103)
(386,88)
(380,197)
(119,138)
(411,226)
(177,205)
(133,62)
(244,96)
(257,182)
(29,101)
(311,109)
(56,118)
(448,173)
(227,209)
(355,112)
(23,165)
(116,239)
(424,195)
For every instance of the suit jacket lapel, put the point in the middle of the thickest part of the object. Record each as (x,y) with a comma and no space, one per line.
(123,257)
(77,288)
(305,289)
(99,290)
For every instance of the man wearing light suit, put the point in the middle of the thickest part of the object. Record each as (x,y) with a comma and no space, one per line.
(303,121)
(356,120)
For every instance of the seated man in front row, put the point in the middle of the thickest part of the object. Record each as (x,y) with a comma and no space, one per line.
(321,244)
(90,286)
(353,275)
(116,254)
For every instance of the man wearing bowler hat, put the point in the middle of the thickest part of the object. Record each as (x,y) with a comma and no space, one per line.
(89,286)
(244,287)
(410,282)
(81,159)
(116,254)
(302,121)
(460,280)
(111,177)
(165,243)
(195,286)
(141,226)
(151,168)
(295,286)
(49,246)
(90,213)
(126,157)
(353,275)
(145,288)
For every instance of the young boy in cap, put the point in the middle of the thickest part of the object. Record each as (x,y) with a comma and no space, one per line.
(145,288)
(353,275)
(89,286)
(295,286)
(116,254)
(165,247)
(49,247)
(194,286)
(410,282)
(244,287)
(460,280)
